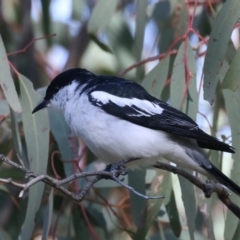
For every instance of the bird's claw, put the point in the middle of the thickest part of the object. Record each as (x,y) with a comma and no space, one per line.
(117,169)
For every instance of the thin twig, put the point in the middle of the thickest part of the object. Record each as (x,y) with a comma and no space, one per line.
(208,188)
(58,183)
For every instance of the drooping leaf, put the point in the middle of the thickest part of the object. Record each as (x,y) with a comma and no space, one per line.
(46,19)
(102,12)
(47,216)
(136,179)
(217,46)
(121,42)
(36,130)
(189,202)
(17,140)
(173,215)
(177,91)
(191,103)
(6,81)
(232,100)
(231,79)
(139,34)
(162,187)
(61,133)
(177,86)
(171,18)
(154,81)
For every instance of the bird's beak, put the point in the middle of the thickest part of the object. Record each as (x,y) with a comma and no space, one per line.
(40,106)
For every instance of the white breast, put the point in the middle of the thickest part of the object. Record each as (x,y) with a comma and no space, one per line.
(112,139)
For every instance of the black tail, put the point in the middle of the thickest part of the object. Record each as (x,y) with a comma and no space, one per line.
(223,179)
(216,145)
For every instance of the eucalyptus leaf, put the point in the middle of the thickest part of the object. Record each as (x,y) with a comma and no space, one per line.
(177,86)
(189,202)
(17,140)
(6,81)
(139,34)
(154,81)
(136,179)
(100,16)
(48,216)
(36,130)
(231,80)
(232,100)
(217,46)
(173,215)
(191,104)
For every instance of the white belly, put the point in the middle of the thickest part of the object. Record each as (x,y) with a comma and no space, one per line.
(112,139)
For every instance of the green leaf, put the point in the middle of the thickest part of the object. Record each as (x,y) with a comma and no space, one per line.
(17,140)
(121,42)
(6,81)
(173,215)
(140,28)
(231,80)
(177,90)
(161,187)
(154,81)
(46,19)
(61,132)
(139,34)
(36,129)
(191,104)
(171,18)
(81,229)
(232,100)
(48,216)
(217,46)
(136,179)
(165,190)
(102,12)
(177,86)
(189,202)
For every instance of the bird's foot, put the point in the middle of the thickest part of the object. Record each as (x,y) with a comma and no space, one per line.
(118,169)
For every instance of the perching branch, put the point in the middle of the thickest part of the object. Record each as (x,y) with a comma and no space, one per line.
(57,184)
(208,188)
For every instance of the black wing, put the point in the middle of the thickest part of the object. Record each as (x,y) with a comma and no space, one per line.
(129,101)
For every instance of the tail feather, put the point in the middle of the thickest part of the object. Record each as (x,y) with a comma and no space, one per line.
(217,145)
(200,157)
(223,179)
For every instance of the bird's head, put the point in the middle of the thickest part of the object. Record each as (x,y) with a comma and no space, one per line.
(63,88)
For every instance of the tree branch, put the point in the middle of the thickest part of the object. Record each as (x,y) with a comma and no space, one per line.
(118,169)
(57,184)
(208,188)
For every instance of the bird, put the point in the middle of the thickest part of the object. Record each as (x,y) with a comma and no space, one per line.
(119,120)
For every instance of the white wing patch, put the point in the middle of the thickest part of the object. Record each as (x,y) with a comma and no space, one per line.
(143,107)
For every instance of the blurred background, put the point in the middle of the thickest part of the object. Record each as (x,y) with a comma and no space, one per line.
(159,44)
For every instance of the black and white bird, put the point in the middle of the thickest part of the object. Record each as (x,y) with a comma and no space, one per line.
(118,119)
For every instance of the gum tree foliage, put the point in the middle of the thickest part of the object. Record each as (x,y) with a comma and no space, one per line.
(178,50)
